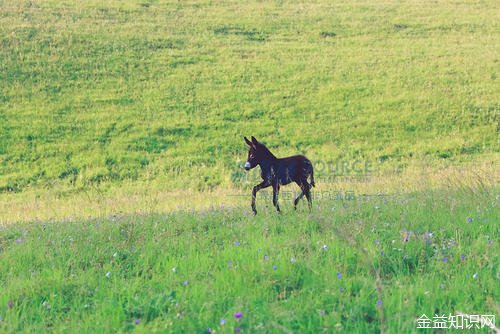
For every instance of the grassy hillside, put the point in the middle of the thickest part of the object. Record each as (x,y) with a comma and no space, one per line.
(163,91)
(366,266)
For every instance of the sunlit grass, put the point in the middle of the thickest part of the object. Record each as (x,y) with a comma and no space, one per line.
(100,94)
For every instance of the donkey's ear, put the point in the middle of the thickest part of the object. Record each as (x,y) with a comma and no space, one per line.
(254,141)
(249,143)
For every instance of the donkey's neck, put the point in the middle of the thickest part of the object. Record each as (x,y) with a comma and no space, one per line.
(268,154)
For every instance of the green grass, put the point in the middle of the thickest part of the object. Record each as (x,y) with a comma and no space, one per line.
(139,108)
(53,275)
(95,95)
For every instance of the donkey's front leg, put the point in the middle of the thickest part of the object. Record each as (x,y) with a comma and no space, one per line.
(258,187)
(276,191)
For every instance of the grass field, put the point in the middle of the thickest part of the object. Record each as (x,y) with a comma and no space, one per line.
(374,264)
(121,155)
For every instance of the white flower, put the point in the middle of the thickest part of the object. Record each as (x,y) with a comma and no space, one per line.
(108,274)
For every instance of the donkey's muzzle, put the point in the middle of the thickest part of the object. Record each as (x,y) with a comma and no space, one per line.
(247,165)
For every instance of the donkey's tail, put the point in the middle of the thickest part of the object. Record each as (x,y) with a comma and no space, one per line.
(312,178)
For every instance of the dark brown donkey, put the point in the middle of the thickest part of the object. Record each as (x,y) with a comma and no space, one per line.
(279,171)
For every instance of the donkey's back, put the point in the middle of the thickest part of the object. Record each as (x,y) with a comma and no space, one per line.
(296,168)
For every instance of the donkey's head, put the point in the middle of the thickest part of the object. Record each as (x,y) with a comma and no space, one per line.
(257,153)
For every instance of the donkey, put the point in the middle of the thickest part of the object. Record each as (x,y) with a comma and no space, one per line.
(279,171)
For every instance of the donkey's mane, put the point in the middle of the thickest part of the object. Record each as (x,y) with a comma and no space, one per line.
(265,150)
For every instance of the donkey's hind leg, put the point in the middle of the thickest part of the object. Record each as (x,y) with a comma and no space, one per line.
(306,190)
(297,200)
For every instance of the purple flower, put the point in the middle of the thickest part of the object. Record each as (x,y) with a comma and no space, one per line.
(230,263)
(382,253)
(469,219)
(237,330)
(462,257)
(209,330)
(186,282)
(238,315)
(237,243)
(274,267)
(377,242)
(339,276)
(222,322)
(379,302)
(490,242)
(445,259)
(341,289)
(18,241)
(137,321)
(266,257)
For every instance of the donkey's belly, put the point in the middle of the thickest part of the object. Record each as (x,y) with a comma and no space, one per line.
(285,180)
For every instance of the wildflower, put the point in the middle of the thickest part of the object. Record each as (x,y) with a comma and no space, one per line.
(137,321)
(230,263)
(238,315)
(274,267)
(339,276)
(108,274)
(469,219)
(19,240)
(186,282)
(222,322)
(174,269)
(132,249)
(46,305)
(237,330)
(474,276)
(490,242)
(377,242)
(258,250)
(382,252)
(379,302)
(293,260)
(341,289)
(462,257)
(325,247)
(322,312)
(266,257)
(445,259)
(237,243)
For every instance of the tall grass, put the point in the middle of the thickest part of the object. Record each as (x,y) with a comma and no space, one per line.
(367,265)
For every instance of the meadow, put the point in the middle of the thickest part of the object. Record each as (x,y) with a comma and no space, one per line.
(122,152)
(373,264)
